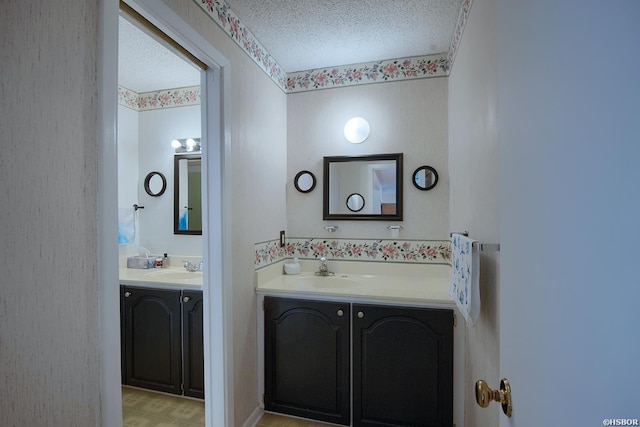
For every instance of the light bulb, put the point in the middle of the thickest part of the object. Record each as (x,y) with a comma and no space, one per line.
(176,144)
(190,144)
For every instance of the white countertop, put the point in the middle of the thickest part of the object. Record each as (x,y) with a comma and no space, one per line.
(425,285)
(170,278)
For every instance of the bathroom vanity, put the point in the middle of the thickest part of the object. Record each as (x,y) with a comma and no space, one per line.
(361,349)
(162,330)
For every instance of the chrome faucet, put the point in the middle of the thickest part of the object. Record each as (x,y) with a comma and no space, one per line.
(323,270)
(189,266)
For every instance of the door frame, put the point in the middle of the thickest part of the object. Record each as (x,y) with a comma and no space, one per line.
(216,215)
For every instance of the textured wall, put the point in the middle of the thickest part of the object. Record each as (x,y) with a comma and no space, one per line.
(474,164)
(49,332)
(257,123)
(405,117)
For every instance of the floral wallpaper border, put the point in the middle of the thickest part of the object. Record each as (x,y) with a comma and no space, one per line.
(159,99)
(381,250)
(221,14)
(365,73)
(438,65)
(463,15)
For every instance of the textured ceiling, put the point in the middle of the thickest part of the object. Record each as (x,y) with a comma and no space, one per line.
(310,34)
(302,35)
(145,65)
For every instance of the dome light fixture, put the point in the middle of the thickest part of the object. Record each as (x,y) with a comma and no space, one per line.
(356,130)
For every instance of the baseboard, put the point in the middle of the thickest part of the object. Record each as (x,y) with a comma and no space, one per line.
(254,417)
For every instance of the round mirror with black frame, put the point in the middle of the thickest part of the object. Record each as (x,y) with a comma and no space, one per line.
(355,202)
(155,184)
(304,181)
(425,178)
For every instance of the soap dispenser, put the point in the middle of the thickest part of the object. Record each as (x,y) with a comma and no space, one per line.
(165,261)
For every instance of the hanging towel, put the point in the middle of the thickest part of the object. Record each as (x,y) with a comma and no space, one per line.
(183,219)
(126,225)
(465,277)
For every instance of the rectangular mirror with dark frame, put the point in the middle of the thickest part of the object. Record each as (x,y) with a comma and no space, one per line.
(187,202)
(363,187)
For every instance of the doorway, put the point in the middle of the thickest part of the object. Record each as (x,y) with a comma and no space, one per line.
(215,246)
(159,104)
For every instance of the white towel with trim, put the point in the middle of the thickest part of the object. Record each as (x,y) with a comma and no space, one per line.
(465,277)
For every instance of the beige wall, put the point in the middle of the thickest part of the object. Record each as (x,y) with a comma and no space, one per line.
(473,165)
(49,327)
(258,172)
(407,117)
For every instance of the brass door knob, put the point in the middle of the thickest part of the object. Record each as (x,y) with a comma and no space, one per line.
(484,395)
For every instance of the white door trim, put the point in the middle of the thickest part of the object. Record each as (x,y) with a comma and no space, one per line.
(107,250)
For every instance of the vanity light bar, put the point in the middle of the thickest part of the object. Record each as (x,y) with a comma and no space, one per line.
(186,145)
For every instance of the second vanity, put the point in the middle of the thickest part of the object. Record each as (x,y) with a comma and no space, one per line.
(372,344)
(162,330)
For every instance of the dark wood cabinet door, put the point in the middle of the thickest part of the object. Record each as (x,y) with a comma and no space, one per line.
(123,346)
(193,344)
(402,366)
(152,339)
(307,359)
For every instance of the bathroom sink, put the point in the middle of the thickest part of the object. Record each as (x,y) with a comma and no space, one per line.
(327,282)
(175,276)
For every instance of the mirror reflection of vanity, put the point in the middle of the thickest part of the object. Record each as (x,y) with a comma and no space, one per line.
(187,194)
(363,188)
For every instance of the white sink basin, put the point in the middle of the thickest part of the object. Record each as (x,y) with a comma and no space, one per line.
(175,276)
(326,282)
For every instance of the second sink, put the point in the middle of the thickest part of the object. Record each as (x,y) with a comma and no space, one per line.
(327,282)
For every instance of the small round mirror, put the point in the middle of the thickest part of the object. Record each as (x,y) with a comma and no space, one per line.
(425,178)
(304,181)
(155,184)
(355,202)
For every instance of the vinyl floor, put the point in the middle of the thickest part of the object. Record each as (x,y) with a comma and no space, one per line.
(141,408)
(273,420)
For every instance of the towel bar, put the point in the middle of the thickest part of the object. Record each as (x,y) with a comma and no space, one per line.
(484,247)
(488,247)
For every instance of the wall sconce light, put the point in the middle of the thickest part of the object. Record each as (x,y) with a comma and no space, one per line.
(187,145)
(356,130)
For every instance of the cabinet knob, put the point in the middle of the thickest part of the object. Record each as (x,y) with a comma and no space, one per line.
(127,294)
(360,315)
(186,299)
(340,313)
